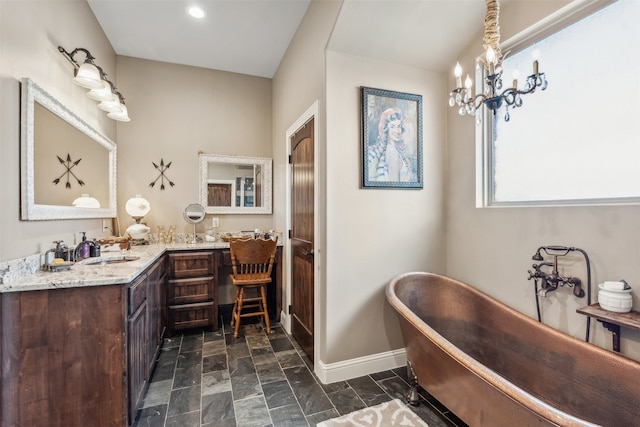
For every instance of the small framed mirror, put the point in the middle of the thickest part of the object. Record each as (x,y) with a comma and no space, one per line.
(235,184)
(194,214)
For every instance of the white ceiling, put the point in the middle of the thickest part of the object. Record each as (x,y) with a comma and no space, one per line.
(426,34)
(241,36)
(251,36)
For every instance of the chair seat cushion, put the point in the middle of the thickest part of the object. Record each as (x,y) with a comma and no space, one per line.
(249,279)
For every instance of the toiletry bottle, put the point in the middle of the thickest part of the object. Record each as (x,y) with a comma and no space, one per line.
(82,250)
(94,248)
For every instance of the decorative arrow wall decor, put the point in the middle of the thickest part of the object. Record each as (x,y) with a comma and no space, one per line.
(162,168)
(68,164)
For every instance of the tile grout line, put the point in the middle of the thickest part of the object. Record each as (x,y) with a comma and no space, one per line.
(173,379)
(313,375)
(287,378)
(201,379)
(256,369)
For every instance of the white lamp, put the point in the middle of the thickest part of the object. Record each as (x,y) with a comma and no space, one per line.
(88,76)
(138,207)
(85,201)
(103,93)
(121,116)
(111,106)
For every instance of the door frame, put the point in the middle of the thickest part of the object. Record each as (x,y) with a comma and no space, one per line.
(285,316)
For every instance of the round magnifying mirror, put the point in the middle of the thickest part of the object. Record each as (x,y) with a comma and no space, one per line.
(193,214)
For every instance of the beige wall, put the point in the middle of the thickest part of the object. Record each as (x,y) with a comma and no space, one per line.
(375,234)
(491,249)
(177,111)
(30,32)
(297,85)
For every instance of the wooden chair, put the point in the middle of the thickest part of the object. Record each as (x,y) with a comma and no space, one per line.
(252,262)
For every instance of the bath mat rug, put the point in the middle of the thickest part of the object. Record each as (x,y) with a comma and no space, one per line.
(392,413)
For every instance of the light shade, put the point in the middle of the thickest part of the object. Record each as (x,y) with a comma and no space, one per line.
(122,116)
(88,76)
(103,94)
(111,106)
(137,207)
(85,201)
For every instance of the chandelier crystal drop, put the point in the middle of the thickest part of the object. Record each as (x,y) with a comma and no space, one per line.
(464,98)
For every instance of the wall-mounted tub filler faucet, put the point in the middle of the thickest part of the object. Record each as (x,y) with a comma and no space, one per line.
(549,281)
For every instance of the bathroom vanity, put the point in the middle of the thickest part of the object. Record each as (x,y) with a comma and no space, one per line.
(78,346)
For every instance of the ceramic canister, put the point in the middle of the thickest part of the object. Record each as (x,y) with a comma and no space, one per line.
(619,301)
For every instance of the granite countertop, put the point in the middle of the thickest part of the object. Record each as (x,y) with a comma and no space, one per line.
(80,275)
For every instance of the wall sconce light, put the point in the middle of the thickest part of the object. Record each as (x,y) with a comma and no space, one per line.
(91,76)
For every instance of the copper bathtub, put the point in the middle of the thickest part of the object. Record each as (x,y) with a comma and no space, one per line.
(492,366)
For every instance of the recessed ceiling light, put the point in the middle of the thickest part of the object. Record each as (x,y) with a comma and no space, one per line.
(196,12)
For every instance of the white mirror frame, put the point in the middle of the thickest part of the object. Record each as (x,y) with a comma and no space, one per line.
(32,93)
(264,162)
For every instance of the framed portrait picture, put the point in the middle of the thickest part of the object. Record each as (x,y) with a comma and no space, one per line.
(391,139)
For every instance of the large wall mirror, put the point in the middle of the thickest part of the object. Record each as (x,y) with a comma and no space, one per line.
(68,169)
(235,184)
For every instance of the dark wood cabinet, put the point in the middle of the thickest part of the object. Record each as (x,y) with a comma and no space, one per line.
(84,355)
(80,356)
(145,328)
(156,279)
(137,355)
(64,357)
(192,290)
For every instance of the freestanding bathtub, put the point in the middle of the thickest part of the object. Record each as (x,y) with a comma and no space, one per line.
(493,366)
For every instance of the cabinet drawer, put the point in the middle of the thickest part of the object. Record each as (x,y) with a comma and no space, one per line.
(191,264)
(137,293)
(192,315)
(184,291)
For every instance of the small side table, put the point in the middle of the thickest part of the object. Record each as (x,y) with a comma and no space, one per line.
(612,320)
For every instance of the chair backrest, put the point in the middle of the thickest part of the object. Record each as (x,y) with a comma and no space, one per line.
(252,257)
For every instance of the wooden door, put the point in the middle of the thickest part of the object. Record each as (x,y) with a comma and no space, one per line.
(219,195)
(302,239)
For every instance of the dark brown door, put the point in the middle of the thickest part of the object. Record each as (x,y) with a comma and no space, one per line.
(302,237)
(219,195)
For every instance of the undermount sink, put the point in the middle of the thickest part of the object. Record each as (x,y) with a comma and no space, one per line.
(108,260)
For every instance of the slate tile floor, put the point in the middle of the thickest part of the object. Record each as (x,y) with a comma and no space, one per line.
(207,379)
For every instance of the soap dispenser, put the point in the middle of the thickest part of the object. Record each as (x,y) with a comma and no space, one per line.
(94,248)
(82,250)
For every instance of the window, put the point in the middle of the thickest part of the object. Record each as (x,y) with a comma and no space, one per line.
(578,142)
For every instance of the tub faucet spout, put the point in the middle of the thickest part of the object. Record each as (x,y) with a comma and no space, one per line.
(546,287)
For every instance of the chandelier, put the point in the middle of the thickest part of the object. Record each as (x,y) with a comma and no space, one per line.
(464,97)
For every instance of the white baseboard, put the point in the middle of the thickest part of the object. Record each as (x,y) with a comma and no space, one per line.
(358,367)
(285,322)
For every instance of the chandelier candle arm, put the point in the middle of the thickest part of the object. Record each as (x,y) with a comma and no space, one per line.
(490,95)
